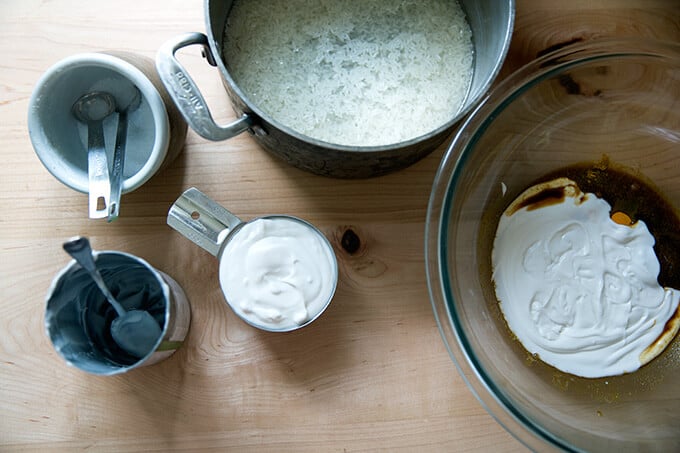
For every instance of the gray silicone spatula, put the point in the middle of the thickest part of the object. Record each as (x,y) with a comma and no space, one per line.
(135,331)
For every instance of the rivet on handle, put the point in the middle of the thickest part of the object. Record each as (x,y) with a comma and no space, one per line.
(201,220)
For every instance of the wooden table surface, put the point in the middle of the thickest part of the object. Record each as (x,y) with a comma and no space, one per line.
(371,374)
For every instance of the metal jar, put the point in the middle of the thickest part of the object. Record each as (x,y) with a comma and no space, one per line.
(491,23)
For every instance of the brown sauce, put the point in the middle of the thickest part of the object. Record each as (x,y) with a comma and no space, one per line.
(545,197)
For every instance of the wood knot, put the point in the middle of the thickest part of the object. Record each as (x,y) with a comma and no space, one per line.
(350,242)
(353,241)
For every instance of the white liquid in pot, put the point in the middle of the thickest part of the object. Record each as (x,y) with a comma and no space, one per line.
(360,73)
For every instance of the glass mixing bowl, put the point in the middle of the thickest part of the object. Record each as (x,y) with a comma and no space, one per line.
(614,98)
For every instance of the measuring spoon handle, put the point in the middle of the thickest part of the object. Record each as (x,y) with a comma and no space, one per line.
(98,171)
(117,167)
(79,248)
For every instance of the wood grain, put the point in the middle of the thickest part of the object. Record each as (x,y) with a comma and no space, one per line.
(371,374)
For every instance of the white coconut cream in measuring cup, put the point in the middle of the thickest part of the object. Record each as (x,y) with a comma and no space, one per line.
(278,273)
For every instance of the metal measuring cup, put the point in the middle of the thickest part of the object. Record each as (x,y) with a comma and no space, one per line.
(78,316)
(220,232)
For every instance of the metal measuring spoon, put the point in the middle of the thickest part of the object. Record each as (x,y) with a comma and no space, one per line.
(135,331)
(91,109)
(119,155)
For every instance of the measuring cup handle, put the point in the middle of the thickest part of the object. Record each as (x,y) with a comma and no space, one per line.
(204,222)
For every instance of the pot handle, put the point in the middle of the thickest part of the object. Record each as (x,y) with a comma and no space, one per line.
(201,220)
(185,93)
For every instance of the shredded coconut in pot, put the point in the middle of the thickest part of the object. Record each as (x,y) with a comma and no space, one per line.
(361,73)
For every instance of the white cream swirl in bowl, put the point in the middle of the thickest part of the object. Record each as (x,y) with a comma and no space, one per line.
(576,288)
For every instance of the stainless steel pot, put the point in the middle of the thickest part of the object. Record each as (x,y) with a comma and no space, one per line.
(491,23)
